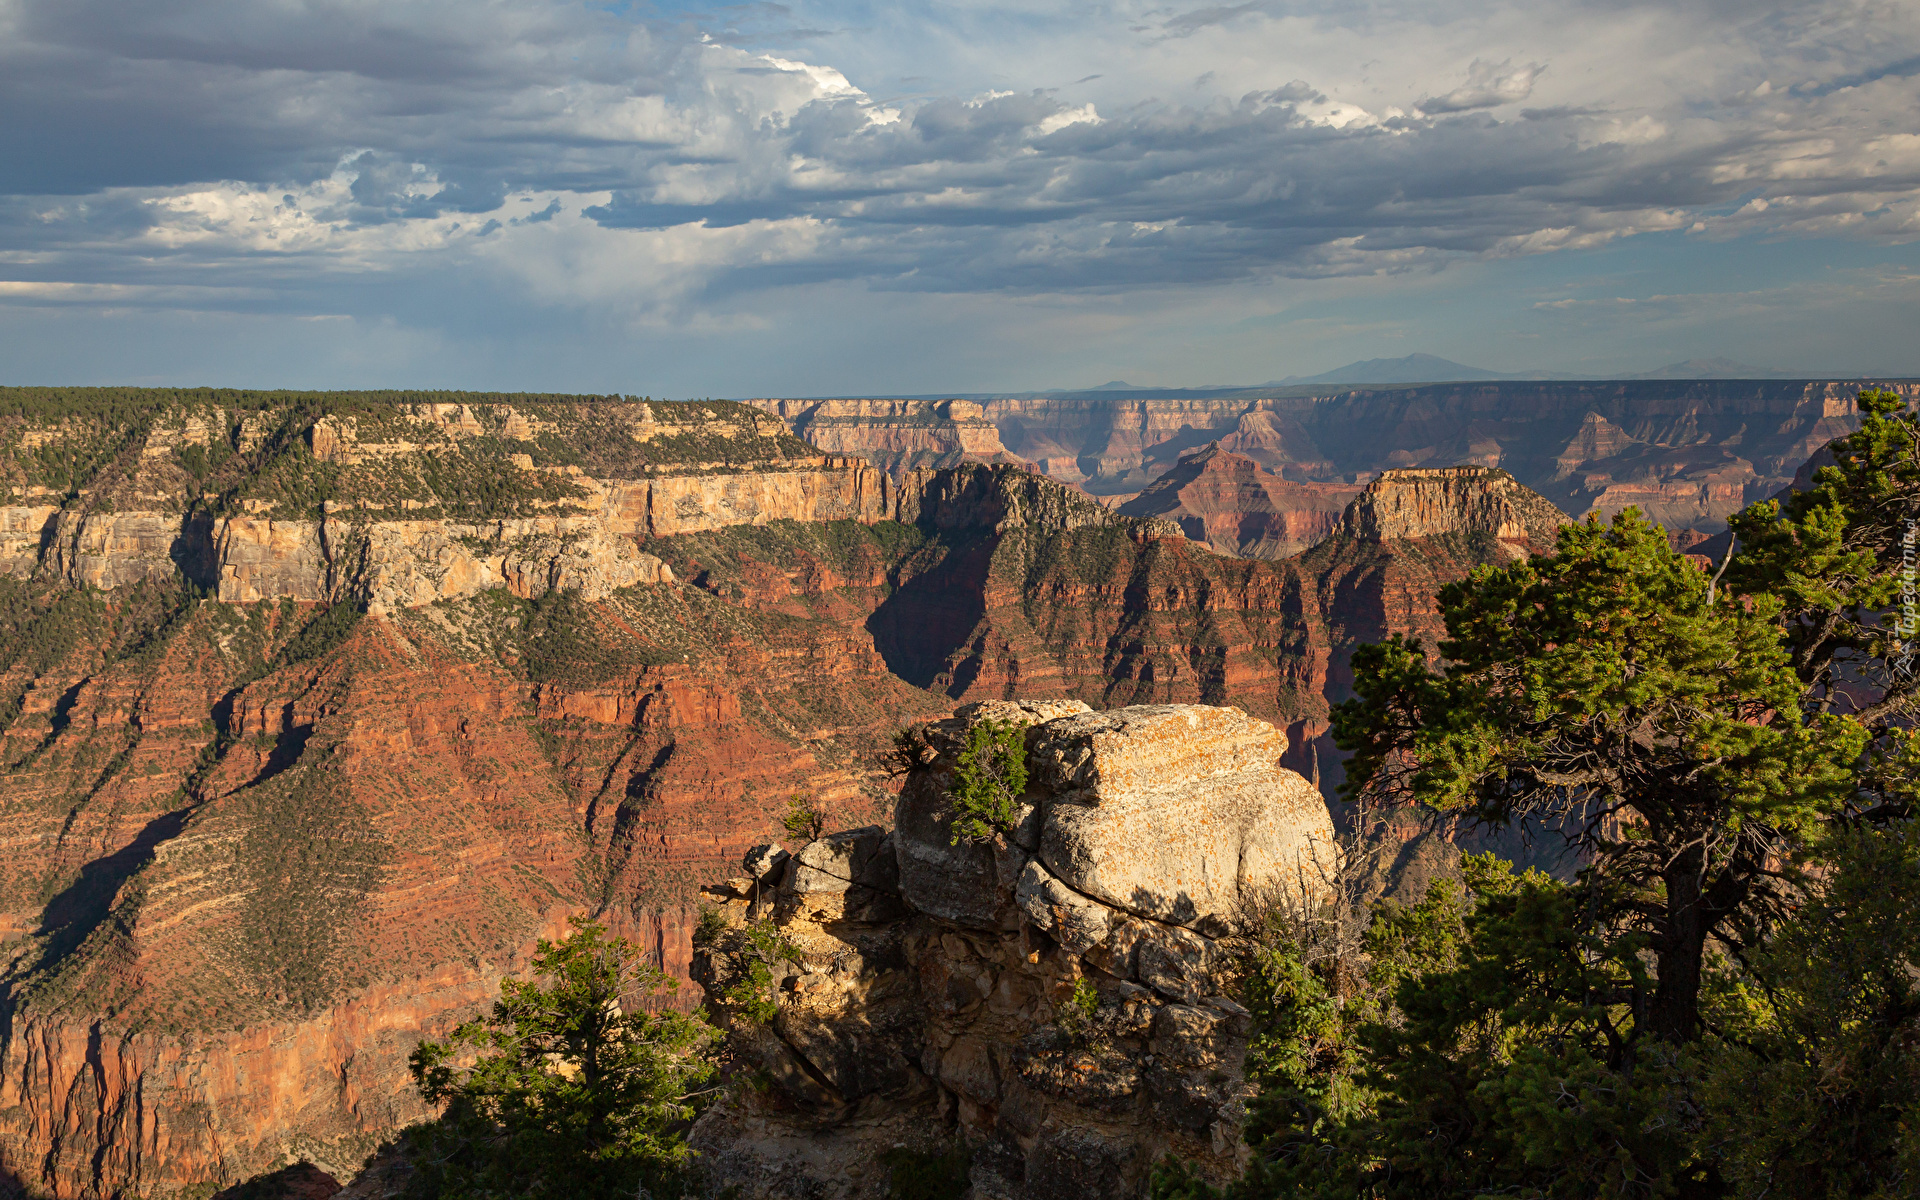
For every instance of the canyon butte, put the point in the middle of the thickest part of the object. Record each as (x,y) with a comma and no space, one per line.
(316,709)
(1687,453)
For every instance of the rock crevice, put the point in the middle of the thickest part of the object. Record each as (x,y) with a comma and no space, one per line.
(980,992)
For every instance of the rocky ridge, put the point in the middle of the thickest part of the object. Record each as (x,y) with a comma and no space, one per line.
(1050,999)
(1452,501)
(896,435)
(1687,452)
(359,505)
(334,826)
(1237,507)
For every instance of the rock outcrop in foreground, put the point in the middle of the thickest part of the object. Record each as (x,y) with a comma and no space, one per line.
(932,991)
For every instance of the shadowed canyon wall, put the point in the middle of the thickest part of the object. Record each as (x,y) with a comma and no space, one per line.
(1687,452)
(315,710)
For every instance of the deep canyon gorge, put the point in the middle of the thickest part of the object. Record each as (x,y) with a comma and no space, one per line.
(317,708)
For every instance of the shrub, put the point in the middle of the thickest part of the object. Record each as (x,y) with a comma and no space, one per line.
(988,780)
(568,1094)
(756,948)
(1076,1012)
(710,926)
(910,749)
(805,820)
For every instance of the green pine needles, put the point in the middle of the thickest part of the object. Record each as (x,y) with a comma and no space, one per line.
(988,779)
(569,1094)
(758,947)
(1722,1003)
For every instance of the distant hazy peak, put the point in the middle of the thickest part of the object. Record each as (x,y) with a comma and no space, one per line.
(1414,368)
(1712,368)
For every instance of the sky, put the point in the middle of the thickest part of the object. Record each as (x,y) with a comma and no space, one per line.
(842,197)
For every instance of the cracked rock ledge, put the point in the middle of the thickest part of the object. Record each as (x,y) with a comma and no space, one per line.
(928,999)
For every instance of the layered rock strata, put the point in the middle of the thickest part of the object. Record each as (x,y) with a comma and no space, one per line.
(339,819)
(897,436)
(1052,998)
(310,721)
(1401,505)
(1687,452)
(415,504)
(1237,507)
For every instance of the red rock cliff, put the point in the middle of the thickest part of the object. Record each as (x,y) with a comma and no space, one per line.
(254,849)
(1229,502)
(1686,452)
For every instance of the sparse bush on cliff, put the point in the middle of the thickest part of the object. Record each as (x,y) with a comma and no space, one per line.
(1075,1014)
(711,924)
(987,781)
(754,950)
(805,820)
(567,1093)
(909,750)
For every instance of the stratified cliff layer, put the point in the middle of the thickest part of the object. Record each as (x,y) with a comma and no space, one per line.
(1687,452)
(1443,501)
(316,709)
(896,435)
(1235,506)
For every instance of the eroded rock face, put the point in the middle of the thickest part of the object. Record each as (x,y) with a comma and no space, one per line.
(897,436)
(1687,452)
(156,747)
(1450,500)
(418,504)
(1232,504)
(955,1017)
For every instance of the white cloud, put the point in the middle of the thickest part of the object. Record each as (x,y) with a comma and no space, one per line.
(1072,149)
(1488,85)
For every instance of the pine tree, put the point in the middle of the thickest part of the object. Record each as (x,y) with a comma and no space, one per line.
(1602,690)
(568,1094)
(1723,1001)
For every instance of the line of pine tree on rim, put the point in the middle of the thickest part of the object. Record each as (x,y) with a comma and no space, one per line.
(1725,1000)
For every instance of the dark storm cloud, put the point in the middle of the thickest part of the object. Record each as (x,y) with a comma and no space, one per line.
(284,142)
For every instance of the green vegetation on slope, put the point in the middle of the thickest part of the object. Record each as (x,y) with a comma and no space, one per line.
(565,1088)
(424,454)
(1723,1002)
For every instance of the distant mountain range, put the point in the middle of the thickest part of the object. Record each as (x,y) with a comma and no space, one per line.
(1414,368)
(1431,368)
(1715,368)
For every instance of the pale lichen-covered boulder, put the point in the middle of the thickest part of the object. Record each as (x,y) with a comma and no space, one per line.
(1176,811)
